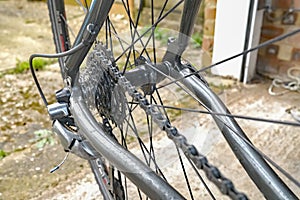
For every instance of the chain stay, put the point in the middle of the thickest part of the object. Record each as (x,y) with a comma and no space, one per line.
(213,174)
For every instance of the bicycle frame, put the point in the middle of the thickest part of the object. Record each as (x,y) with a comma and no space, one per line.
(257,168)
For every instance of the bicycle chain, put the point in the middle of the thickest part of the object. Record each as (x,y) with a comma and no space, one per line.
(200,161)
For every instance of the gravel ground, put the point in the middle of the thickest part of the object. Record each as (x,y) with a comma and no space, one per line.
(24,172)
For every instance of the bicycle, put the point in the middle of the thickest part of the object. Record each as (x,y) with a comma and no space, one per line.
(95,113)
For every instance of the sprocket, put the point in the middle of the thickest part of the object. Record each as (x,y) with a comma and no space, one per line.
(99,88)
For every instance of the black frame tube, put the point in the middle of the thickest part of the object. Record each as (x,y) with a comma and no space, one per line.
(89,30)
(133,168)
(188,18)
(264,177)
(60,31)
(257,168)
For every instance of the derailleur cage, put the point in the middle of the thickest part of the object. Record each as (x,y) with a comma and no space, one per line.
(64,126)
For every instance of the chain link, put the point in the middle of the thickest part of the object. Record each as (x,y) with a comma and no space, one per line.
(213,173)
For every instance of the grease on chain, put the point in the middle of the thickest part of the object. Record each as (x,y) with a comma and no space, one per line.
(213,174)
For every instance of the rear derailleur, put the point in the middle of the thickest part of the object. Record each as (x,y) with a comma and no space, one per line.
(64,126)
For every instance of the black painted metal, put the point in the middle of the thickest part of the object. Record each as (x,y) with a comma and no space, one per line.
(59,29)
(88,32)
(260,172)
(104,191)
(188,18)
(247,38)
(264,177)
(139,173)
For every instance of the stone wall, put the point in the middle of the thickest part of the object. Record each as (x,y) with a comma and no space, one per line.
(208,30)
(275,59)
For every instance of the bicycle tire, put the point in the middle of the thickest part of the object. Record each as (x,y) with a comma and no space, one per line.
(90,96)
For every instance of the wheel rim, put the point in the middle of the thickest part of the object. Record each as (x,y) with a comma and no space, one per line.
(126,61)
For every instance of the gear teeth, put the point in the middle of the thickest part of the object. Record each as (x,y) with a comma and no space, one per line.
(90,78)
(99,86)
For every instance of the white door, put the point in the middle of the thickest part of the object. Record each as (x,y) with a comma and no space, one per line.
(231,35)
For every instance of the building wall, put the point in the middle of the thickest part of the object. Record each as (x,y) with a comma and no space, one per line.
(275,59)
(208,30)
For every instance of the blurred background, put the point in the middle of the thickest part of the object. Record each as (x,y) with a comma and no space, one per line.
(29,149)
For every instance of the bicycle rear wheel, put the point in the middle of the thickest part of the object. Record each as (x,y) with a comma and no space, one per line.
(143,44)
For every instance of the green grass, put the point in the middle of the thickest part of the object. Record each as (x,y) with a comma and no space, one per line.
(219,88)
(160,34)
(197,39)
(23,66)
(43,137)
(29,21)
(3,154)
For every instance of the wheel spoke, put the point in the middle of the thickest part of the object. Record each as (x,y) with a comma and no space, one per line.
(271,41)
(217,116)
(273,121)
(149,29)
(202,180)
(144,44)
(120,40)
(154,26)
(185,175)
(147,154)
(152,33)
(133,31)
